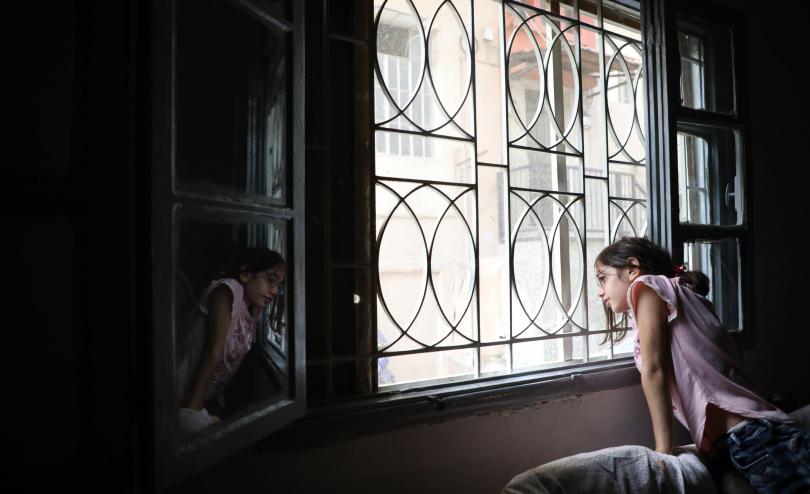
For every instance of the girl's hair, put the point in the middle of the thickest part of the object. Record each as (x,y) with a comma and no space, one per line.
(253,260)
(653,260)
(256,260)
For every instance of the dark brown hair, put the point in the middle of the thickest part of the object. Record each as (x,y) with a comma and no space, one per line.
(253,260)
(652,259)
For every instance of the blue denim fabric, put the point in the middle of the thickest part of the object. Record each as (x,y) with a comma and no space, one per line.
(773,457)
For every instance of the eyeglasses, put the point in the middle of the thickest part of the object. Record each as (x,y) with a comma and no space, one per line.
(601,281)
(274,282)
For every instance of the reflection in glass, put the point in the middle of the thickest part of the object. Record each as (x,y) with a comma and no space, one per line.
(693,192)
(720,261)
(692,62)
(231,102)
(709,178)
(231,333)
(707,81)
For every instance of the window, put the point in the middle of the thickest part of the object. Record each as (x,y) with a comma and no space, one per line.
(534,113)
(227,155)
(712,231)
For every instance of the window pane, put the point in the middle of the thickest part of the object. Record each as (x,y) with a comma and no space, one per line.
(485,238)
(441,160)
(619,19)
(692,68)
(446,366)
(709,178)
(428,82)
(720,261)
(249,259)
(489,84)
(231,103)
(706,68)
(593,103)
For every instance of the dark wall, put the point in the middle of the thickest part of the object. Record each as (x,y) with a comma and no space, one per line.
(75,204)
(71,192)
(779,157)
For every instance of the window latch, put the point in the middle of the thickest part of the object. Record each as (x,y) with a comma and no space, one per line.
(731,194)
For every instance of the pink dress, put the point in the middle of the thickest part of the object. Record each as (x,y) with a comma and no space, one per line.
(706,363)
(237,343)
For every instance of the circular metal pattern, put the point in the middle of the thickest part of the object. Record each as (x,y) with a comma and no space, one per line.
(561,124)
(558,39)
(426,84)
(429,284)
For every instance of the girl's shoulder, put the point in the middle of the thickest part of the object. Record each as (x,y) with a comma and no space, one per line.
(232,285)
(661,285)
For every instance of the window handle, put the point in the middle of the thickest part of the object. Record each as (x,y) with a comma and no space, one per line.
(730,194)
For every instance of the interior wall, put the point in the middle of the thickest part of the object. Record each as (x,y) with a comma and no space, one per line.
(474,454)
(779,157)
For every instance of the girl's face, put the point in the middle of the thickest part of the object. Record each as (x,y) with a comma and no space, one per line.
(613,283)
(263,286)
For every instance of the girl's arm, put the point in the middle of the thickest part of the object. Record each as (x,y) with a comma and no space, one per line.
(219,320)
(656,367)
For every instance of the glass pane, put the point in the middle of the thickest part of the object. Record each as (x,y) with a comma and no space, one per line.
(426,262)
(539,170)
(589,12)
(625,100)
(557,352)
(622,20)
(548,264)
(489,84)
(593,104)
(424,67)
(493,253)
(693,61)
(232,121)
(443,366)
(564,8)
(709,178)
(560,170)
(707,81)
(597,235)
(495,360)
(543,82)
(424,158)
(627,219)
(628,181)
(241,269)
(720,261)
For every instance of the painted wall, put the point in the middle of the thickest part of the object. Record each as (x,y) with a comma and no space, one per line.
(475,454)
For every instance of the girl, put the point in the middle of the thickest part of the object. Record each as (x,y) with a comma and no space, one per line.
(222,333)
(690,368)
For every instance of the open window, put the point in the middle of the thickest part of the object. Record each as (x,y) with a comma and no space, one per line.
(227,179)
(712,231)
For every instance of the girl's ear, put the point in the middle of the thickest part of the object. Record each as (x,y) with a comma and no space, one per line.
(244,274)
(633,267)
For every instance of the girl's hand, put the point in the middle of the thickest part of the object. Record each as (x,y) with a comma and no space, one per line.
(192,420)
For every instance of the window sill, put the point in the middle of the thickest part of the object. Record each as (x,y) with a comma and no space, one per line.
(341,421)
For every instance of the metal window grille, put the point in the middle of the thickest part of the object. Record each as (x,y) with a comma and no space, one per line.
(484,253)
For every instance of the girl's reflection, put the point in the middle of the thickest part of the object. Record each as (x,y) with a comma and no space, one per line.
(222,332)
